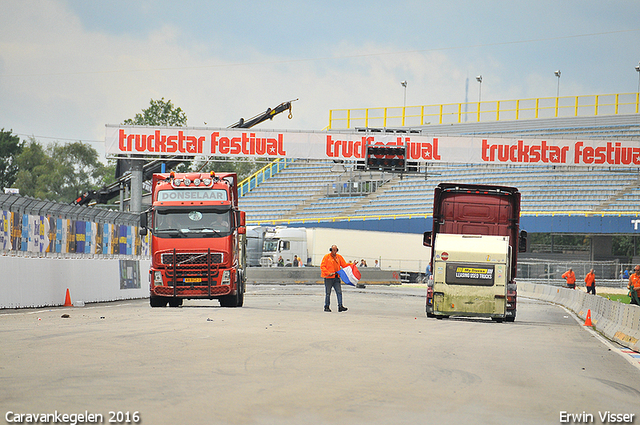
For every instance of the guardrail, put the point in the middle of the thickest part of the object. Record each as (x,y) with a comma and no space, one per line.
(617,321)
(486,111)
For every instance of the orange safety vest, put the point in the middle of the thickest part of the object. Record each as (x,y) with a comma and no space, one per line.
(570,276)
(590,279)
(330,266)
(634,282)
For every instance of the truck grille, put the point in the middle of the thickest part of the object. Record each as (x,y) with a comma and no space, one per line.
(192,258)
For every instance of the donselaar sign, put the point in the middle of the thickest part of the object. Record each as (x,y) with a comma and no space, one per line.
(351,145)
(192,195)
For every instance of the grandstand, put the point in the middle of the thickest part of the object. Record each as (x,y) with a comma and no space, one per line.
(312,190)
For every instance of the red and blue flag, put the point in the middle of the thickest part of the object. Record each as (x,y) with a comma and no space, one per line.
(350,274)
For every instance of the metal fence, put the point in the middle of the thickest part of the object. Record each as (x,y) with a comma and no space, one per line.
(40,228)
(608,273)
(486,111)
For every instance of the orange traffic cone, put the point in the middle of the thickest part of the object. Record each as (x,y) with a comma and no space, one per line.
(587,322)
(67,299)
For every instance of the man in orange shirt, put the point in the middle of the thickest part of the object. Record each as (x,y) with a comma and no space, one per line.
(571,278)
(590,282)
(634,287)
(331,264)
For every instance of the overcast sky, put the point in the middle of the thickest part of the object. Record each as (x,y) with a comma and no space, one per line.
(68,67)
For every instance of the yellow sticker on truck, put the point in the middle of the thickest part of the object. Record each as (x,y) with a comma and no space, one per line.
(467,274)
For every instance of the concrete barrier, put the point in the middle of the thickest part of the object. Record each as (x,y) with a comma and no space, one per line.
(311,275)
(618,322)
(40,282)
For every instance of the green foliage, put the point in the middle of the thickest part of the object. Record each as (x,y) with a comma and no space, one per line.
(542,242)
(32,162)
(623,245)
(164,113)
(10,148)
(60,172)
(159,113)
(625,299)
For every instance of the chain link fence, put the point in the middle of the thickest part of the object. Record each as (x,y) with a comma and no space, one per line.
(608,273)
(40,228)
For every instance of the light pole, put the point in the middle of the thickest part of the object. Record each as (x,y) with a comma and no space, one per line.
(404,84)
(479,79)
(638,69)
(557,74)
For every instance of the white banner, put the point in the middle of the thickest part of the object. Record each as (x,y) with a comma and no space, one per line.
(170,141)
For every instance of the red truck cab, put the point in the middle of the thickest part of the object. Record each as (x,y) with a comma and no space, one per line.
(197,239)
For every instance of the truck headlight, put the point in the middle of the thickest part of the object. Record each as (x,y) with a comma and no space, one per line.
(226,278)
(157,279)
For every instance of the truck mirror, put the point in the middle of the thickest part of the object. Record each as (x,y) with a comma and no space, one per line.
(143,220)
(522,241)
(241,219)
(426,239)
(142,231)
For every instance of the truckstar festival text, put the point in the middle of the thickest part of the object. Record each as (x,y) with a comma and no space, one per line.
(161,141)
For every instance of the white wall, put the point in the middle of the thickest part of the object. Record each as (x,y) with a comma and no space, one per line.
(38,282)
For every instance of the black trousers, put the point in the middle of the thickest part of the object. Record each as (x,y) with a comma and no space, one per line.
(591,289)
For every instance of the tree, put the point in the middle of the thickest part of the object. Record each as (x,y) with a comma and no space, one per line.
(32,162)
(59,172)
(164,113)
(10,148)
(160,112)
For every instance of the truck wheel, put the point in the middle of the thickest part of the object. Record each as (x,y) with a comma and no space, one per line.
(497,319)
(240,298)
(158,301)
(234,300)
(175,302)
(229,301)
(430,315)
(510,319)
(241,289)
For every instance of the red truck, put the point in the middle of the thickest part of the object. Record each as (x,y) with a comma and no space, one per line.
(198,243)
(475,242)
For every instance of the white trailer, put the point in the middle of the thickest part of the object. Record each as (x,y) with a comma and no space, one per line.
(402,252)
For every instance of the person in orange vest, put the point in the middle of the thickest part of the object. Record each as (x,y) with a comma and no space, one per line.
(590,282)
(329,267)
(570,276)
(634,286)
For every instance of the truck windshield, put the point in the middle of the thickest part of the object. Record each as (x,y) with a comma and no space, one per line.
(270,245)
(192,223)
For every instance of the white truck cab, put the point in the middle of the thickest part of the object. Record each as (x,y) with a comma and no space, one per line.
(470,275)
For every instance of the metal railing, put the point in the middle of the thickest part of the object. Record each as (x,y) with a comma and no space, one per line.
(353,188)
(262,174)
(429,215)
(486,111)
(608,273)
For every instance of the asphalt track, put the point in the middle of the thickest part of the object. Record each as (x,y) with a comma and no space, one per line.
(281,360)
